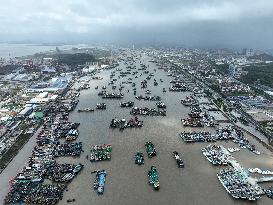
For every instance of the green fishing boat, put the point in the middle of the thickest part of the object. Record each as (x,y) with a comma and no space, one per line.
(153,177)
(150,148)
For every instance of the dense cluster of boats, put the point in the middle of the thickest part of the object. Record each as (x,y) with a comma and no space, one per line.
(235,179)
(84,86)
(127,104)
(233,149)
(216,154)
(96,78)
(40,194)
(178,85)
(197,137)
(198,118)
(89,109)
(189,101)
(161,105)
(259,171)
(113,95)
(123,123)
(237,184)
(100,152)
(222,133)
(178,88)
(68,149)
(192,122)
(148,111)
(62,172)
(66,130)
(196,112)
(148,98)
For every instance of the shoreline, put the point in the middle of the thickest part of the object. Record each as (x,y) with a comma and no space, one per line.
(22,146)
(17,163)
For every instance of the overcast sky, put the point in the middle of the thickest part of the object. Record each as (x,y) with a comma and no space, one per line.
(231,23)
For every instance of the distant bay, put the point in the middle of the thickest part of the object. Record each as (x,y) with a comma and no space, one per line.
(10,50)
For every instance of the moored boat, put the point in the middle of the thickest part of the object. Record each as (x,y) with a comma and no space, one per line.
(153,177)
(139,158)
(178,160)
(86,110)
(149,146)
(99,181)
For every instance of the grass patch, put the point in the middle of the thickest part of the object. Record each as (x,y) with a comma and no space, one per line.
(13,151)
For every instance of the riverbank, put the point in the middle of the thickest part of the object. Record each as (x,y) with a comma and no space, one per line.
(17,163)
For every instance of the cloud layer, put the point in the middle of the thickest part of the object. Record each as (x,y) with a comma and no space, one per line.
(234,23)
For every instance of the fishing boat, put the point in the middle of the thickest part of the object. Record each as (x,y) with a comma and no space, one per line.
(139,158)
(189,101)
(123,123)
(113,95)
(178,160)
(99,182)
(149,146)
(78,168)
(67,177)
(127,104)
(148,92)
(192,122)
(160,105)
(71,137)
(101,106)
(96,78)
(100,152)
(153,177)
(86,110)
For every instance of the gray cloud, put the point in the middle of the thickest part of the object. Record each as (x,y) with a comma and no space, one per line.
(233,23)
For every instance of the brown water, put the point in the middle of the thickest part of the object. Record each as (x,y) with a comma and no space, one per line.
(127,183)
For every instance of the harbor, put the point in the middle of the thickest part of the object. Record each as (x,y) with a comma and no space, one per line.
(136,102)
(197,177)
